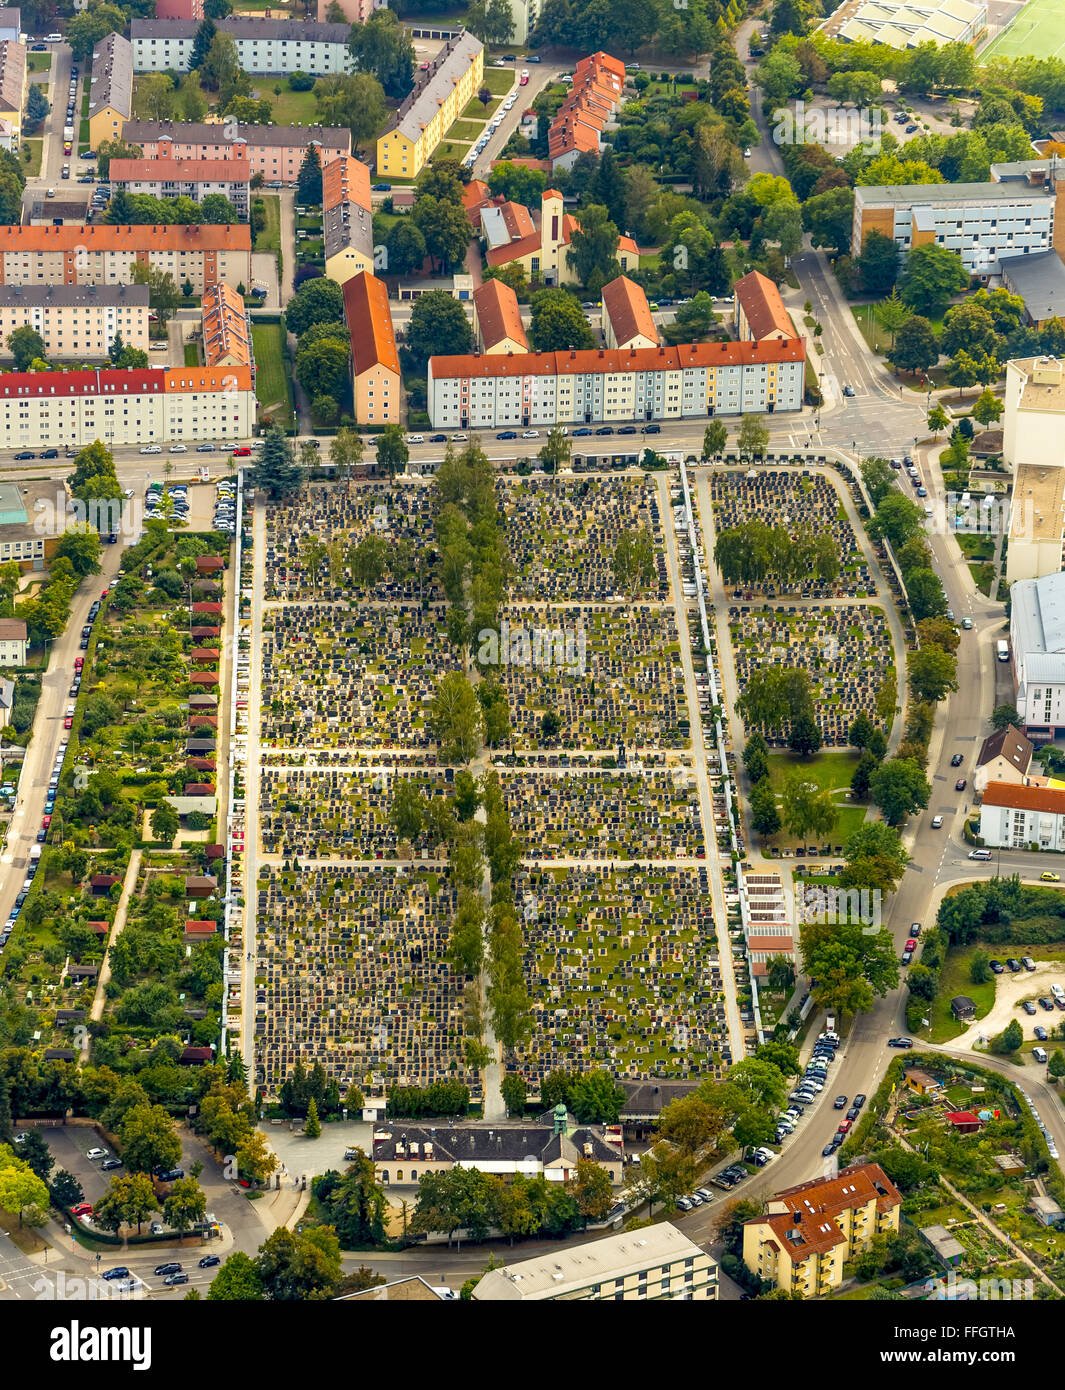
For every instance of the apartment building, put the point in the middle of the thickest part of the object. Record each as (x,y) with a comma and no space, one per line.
(440,94)
(627,320)
(264,46)
(655,1264)
(1005,756)
(110,89)
(988,224)
(497,319)
(524,14)
(759,310)
(77,322)
(543,252)
(375,374)
(596,386)
(179,9)
(226,329)
(12,89)
(10,24)
(1020,817)
(1037,640)
(1033,421)
(101,254)
(275,151)
(188,178)
(808,1231)
(12,642)
(347,218)
(594,96)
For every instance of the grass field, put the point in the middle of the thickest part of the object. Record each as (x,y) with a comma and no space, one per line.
(466,130)
(474,111)
(1038,31)
(271,380)
(192,355)
(290,108)
(452,149)
(38,62)
(269,239)
(500,81)
(32,164)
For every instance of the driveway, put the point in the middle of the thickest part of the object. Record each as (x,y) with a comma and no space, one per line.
(1009,991)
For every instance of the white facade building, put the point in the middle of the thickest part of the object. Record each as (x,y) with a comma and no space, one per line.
(1037,638)
(1033,423)
(1016,817)
(264,46)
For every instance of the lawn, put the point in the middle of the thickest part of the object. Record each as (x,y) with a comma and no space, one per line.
(269,239)
(38,62)
(474,110)
(873,333)
(954,979)
(466,130)
(290,108)
(192,355)
(450,149)
(271,378)
(831,771)
(1037,31)
(31,157)
(500,81)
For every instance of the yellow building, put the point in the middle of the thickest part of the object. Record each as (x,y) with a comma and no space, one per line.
(347,218)
(375,375)
(440,96)
(12,89)
(810,1230)
(111,91)
(544,254)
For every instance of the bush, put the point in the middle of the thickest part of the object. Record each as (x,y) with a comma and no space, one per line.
(300,82)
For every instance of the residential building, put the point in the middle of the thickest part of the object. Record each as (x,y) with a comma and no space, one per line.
(1021,817)
(110,89)
(1005,756)
(656,1263)
(188,178)
(12,642)
(440,94)
(986,223)
(808,1231)
(375,374)
(138,406)
(551,1149)
(77,322)
(12,89)
(22,537)
(102,254)
(347,218)
(759,311)
(1033,422)
(906,23)
(497,319)
(10,24)
(1037,640)
(226,329)
(543,254)
(1036,521)
(179,9)
(594,96)
(524,14)
(413,1289)
(596,386)
(275,151)
(264,46)
(355,11)
(627,321)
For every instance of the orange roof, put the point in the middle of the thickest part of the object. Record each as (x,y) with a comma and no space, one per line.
(518,220)
(809,1223)
(550,193)
(345,180)
(685,355)
(762,306)
(75,237)
(1024,798)
(625,304)
(498,314)
(770,943)
(513,250)
(369,318)
(474,195)
(593,97)
(225,325)
(600,59)
(180,170)
(236,378)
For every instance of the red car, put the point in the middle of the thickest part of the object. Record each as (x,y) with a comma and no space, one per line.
(242,453)
(844,1127)
(911,945)
(82,1209)
(79,662)
(46,821)
(68,722)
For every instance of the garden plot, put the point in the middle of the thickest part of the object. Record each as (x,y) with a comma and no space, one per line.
(622,970)
(351,973)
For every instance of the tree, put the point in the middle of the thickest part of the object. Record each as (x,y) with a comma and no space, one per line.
(514,1090)
(1009,1040)
(829,218)
(36,107)
(1003,715)
(765,818)
(295,1267)
(558,322)
(185,1204)
(932,673)
(987,408)
(805,736)
(753,437)
(392,451)
(1056,1065)
(938,420)
(201,44)
(86,29)
(81,546)
(715,439)
(309,179)
(756,757)
(980,972)
(238,1278)
(312,1129)
(596,1098)
(938,632)
(25,344)
(594,245)
(931,275)
(66,1190)
(129,1201)
(316,301)
(254,1160)
(438,326)
(165,823)
(899,787)
(445,230)
(878,263)
(892,313)
(491,20)
(356,101)
(849,963)
(162,289)
(148,1139)
(806,808)
(322,366)
(455,719)
(590,1185)
(916,347)
(275,470)
(354,1202)
(406,249)
(382,47)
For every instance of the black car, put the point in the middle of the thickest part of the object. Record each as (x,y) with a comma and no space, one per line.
(828,1150)
(900,1042)
(50,454)
(840,1103)
(959,785)
(605,429)
(86,631)
(652,429)
(25,454)
(172,1268)
(852,1113)
(1013,963)
(507,434)
(957,760)
(997,968)
(438,439)
(110,1164)
(859,1099)
(910,128)
(627,429)
(83,645)
(1040,1033)
(118,1272)
(907,956)
(209,1261)
(168,1175)
(1047,1004)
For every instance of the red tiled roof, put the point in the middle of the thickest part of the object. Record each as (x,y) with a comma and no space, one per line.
(75,237)
(369,321)
(770,943)
(1021,798)
(498,314)
(627,360)
(180,170)
(345,180)
(200,927)
(206,608)
(513,250)
(762,306)
(625,304)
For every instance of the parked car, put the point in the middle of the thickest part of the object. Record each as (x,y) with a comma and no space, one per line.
(860,1099)
(959,785)
(1040,1033)
(997,968)
(900,1042)
(109,1164)
(957,760)
(94,1155)
(1012,963)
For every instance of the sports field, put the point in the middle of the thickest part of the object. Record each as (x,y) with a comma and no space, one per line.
(1038,31)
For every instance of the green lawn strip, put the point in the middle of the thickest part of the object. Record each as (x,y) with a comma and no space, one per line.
(474,110)
(449,149)
(271,378)
(290,108)
(831,771)
(38,62)
(192,355)
(465,130)
(500,81)
(269,239)
(954,980)
(31,166)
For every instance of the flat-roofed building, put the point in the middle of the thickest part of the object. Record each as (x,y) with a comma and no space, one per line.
(188,178)
(627,320)
(903,24)
(1037,640)
(275,151)
(101,254)
(110,89)
(1033,422)
(440,95)
(23,508)
(1036,522)
(11,23)
(77,322)
(497,318)
(375,374)
(654,1264)
(347,218)
(264,46)
(604,385)
(1040,282)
